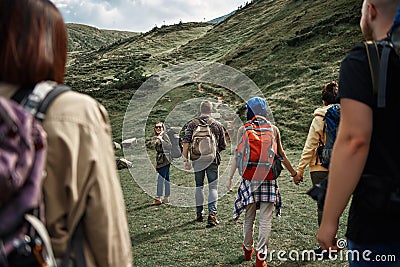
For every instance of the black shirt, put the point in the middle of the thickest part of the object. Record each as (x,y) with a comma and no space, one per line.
(367,222)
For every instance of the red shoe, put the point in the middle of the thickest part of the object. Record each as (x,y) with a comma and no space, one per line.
(260,260)
(248,254)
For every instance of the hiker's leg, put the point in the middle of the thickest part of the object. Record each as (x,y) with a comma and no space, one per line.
(160,182)
(212,177)
(265,223)
(199,195)
(167,181)
(248,225)
(316,178)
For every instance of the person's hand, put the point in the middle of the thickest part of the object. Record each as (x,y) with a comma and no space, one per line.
(326,235)
(187,165)
(229,184)
(298,178)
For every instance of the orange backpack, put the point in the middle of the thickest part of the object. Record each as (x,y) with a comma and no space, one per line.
(256,150)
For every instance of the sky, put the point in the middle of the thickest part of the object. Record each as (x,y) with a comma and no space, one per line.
(143,15)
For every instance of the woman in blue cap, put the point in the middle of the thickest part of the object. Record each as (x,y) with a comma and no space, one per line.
(259,194)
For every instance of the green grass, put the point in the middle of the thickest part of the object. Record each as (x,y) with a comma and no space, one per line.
(290,49)
(167,236)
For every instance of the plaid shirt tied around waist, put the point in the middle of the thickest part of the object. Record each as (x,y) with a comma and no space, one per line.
(255,192)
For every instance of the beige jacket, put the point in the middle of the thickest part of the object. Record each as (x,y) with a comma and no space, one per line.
(315,133)
(82,181)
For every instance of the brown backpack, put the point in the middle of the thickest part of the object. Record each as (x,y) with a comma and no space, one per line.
(204,144)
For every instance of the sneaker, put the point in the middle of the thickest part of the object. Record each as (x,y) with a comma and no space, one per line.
(260,260)
(248,254)
(157,201)
(212,220)
(166,200)
(199,218)
(278,213)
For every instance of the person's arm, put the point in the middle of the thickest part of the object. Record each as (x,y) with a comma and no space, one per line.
(231,172)
(349,156)
(281,152)
(185,153)
(105,220)
(166,143)
(187,138)
(313,137)
(233,164)
(83,181)
(221,138)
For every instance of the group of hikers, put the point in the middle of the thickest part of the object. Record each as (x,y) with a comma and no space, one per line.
(363,162)
(56,164)
(256,190)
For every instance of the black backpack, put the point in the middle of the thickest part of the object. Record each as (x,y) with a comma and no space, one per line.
(378,63)
(176,142)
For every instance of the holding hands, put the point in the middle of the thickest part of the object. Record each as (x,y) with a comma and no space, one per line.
(298,178)
(187,165)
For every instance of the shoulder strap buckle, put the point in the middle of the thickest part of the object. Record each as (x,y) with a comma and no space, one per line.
(41,97)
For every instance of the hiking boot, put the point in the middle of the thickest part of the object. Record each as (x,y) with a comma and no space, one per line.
(199,217)
(248,254)
(166,200)
(212,220)
(260,260)
(157,202)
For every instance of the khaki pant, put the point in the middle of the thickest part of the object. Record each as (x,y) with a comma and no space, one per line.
(265,223)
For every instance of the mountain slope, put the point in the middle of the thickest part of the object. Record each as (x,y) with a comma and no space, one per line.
(83,37)
(289,48)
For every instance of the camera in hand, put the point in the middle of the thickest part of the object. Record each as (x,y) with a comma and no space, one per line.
(318,192)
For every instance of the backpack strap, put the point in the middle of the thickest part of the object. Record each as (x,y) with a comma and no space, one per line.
(196,122)
(374,63)
(57,90)
(75,244)
(42,231)
(383,74)
(378,66)
(210,121)
(42,96)
(199,121)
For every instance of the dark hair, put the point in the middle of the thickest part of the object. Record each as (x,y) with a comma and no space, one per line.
(206,107)
(329,93)
(33,42)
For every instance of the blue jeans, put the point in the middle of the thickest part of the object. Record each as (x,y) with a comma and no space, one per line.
(163,181)
(212,177)
(387,255)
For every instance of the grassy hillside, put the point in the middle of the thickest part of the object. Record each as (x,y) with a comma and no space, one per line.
(83,37)
(289,48)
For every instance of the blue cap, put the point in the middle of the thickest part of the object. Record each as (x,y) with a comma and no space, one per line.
(256,106)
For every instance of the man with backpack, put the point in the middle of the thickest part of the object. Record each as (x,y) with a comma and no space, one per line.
(203,141)
(365,160)
(316,139)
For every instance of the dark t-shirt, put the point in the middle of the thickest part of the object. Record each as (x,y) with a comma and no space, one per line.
(366,223)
